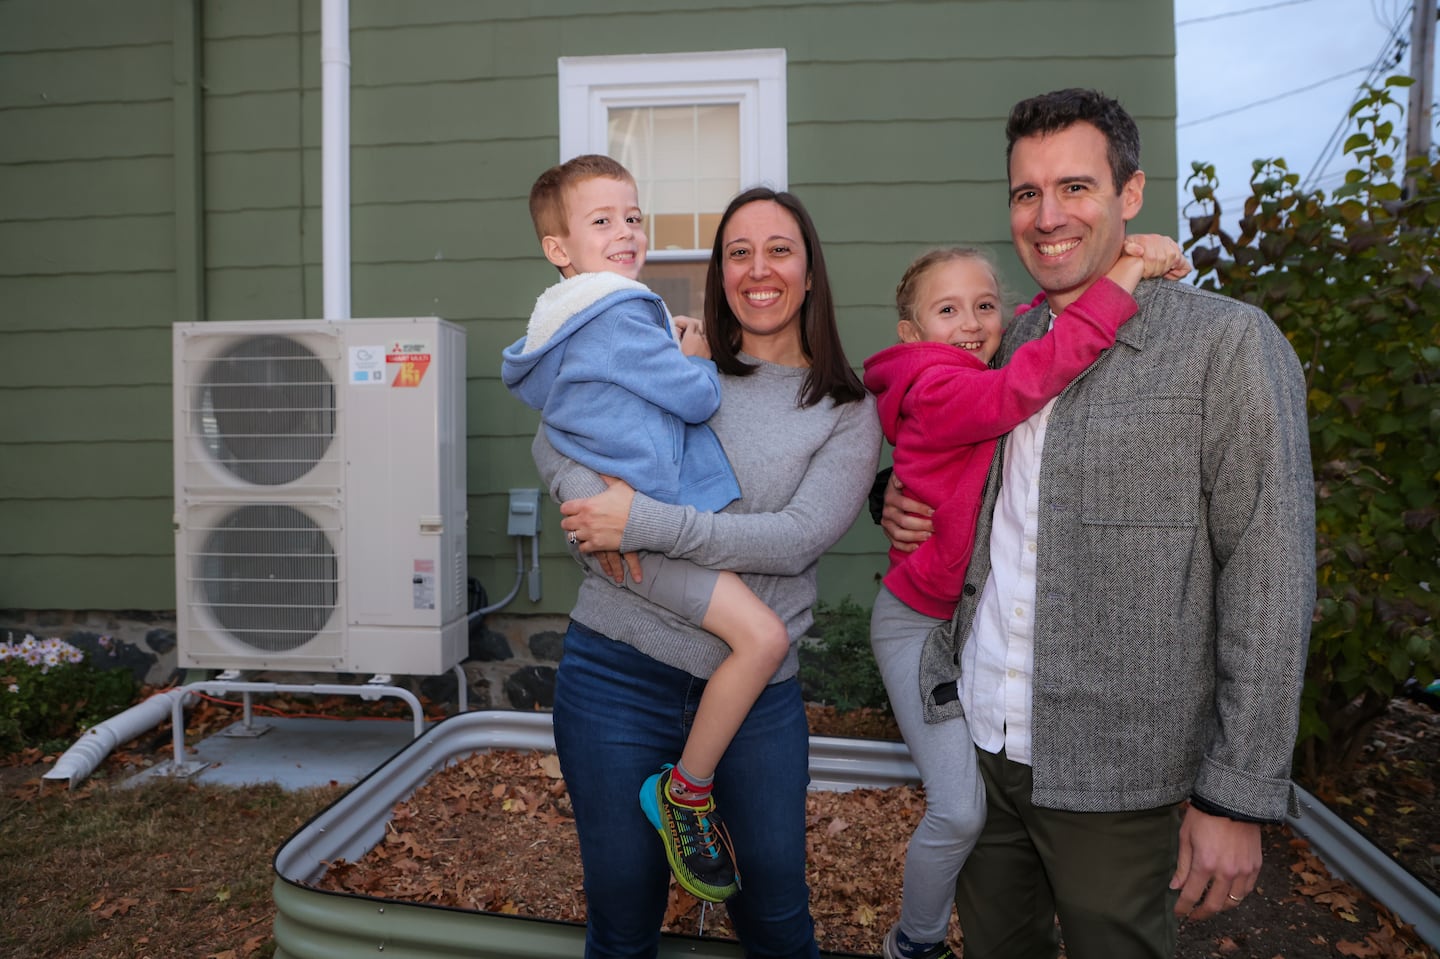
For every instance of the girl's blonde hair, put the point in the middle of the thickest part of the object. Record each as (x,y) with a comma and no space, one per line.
(907,289)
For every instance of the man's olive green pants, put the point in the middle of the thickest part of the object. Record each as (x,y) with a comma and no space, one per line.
(1106,876)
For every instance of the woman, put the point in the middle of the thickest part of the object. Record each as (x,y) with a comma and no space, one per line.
(803,438)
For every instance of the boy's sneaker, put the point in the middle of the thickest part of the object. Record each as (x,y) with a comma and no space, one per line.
(890,948)
(696,843)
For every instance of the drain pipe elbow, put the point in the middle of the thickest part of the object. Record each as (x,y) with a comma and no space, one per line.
(81,759)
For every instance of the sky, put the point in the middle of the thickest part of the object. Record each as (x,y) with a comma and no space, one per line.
(1282,74)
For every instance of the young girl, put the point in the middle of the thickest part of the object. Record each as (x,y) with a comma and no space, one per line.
(944,410)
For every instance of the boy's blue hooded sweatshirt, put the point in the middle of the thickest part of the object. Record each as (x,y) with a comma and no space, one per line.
(601,363)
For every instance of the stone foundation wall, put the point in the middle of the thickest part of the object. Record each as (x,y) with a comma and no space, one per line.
(511,662)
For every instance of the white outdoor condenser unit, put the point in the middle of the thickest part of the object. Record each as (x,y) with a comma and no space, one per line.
(320,495)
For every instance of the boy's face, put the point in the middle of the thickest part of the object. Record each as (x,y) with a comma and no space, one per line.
(957,302)
(605,232)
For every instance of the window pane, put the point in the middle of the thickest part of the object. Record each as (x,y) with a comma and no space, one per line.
(686,160)
(680,283)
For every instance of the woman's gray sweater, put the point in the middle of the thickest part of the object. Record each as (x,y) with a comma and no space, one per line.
(804,475)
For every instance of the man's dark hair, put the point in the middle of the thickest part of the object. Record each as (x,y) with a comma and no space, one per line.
(1061,109)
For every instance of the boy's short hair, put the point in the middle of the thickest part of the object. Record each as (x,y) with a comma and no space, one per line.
(547,196)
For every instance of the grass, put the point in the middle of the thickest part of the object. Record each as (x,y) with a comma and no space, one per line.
(169,869)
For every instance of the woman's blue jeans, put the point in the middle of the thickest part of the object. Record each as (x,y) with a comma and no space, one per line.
(620,715)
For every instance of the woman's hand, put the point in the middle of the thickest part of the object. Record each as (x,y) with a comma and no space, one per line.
(905,521)
(615,563)
(596,524)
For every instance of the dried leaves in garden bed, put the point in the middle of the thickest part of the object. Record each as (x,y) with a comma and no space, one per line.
(494,833)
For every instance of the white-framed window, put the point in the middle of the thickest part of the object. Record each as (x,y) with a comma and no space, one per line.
(694,129)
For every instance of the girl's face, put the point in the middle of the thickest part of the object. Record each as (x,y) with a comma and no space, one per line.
(957,302)
(766,276)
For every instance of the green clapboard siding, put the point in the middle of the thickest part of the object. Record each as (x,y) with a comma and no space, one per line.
(86,131)
(74,413)
(63,581)
(88,188)
(35,25)
(896,111)
(94,301)
(89,527)
(76,470)
(130,73)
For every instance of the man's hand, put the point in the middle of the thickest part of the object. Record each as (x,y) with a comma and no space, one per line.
(1218,864)
(905,521)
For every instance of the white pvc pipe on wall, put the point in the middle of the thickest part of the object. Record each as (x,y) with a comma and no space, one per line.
(335,156)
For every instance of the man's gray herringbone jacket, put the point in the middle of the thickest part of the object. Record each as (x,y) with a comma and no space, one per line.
(1176,565)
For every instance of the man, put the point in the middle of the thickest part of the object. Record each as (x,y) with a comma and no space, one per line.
(1130,642)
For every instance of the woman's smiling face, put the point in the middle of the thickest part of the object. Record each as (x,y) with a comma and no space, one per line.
(766,276)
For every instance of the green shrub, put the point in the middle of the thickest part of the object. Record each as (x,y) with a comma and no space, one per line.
(1351,278)
(49,693)
(836,665)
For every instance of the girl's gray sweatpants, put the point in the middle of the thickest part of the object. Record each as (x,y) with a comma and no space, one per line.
(945,756)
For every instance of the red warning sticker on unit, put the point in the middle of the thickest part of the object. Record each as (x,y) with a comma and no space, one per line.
(406,363)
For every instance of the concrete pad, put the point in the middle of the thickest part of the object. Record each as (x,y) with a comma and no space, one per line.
(295,753)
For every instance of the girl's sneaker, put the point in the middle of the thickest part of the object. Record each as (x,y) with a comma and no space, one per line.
(891,948)
(696,843)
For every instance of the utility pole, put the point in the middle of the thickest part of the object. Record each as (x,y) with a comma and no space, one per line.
(1422,68)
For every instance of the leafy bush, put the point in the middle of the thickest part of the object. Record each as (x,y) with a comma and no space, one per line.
(836,666)
(49,692)
(1352,280)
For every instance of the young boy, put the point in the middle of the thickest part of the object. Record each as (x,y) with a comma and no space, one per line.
(600,361)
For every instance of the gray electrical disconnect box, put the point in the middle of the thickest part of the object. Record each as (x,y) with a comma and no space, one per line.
(524,512)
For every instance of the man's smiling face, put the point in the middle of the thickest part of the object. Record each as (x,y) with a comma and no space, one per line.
(1066,217)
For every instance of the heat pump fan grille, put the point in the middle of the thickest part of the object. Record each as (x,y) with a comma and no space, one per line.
(269,576)
(267,410)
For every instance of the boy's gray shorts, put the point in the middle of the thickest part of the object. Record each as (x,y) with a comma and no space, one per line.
(676,584)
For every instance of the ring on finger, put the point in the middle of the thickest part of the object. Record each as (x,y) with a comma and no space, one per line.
(572,537)
(1234,898)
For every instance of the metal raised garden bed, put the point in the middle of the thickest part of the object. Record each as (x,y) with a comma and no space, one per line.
(319,924)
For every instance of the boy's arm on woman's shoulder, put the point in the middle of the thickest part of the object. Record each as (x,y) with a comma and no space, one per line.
(643,358)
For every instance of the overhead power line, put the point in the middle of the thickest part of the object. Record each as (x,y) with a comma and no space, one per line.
(1278,96)
(1239,13)
(1332,143)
